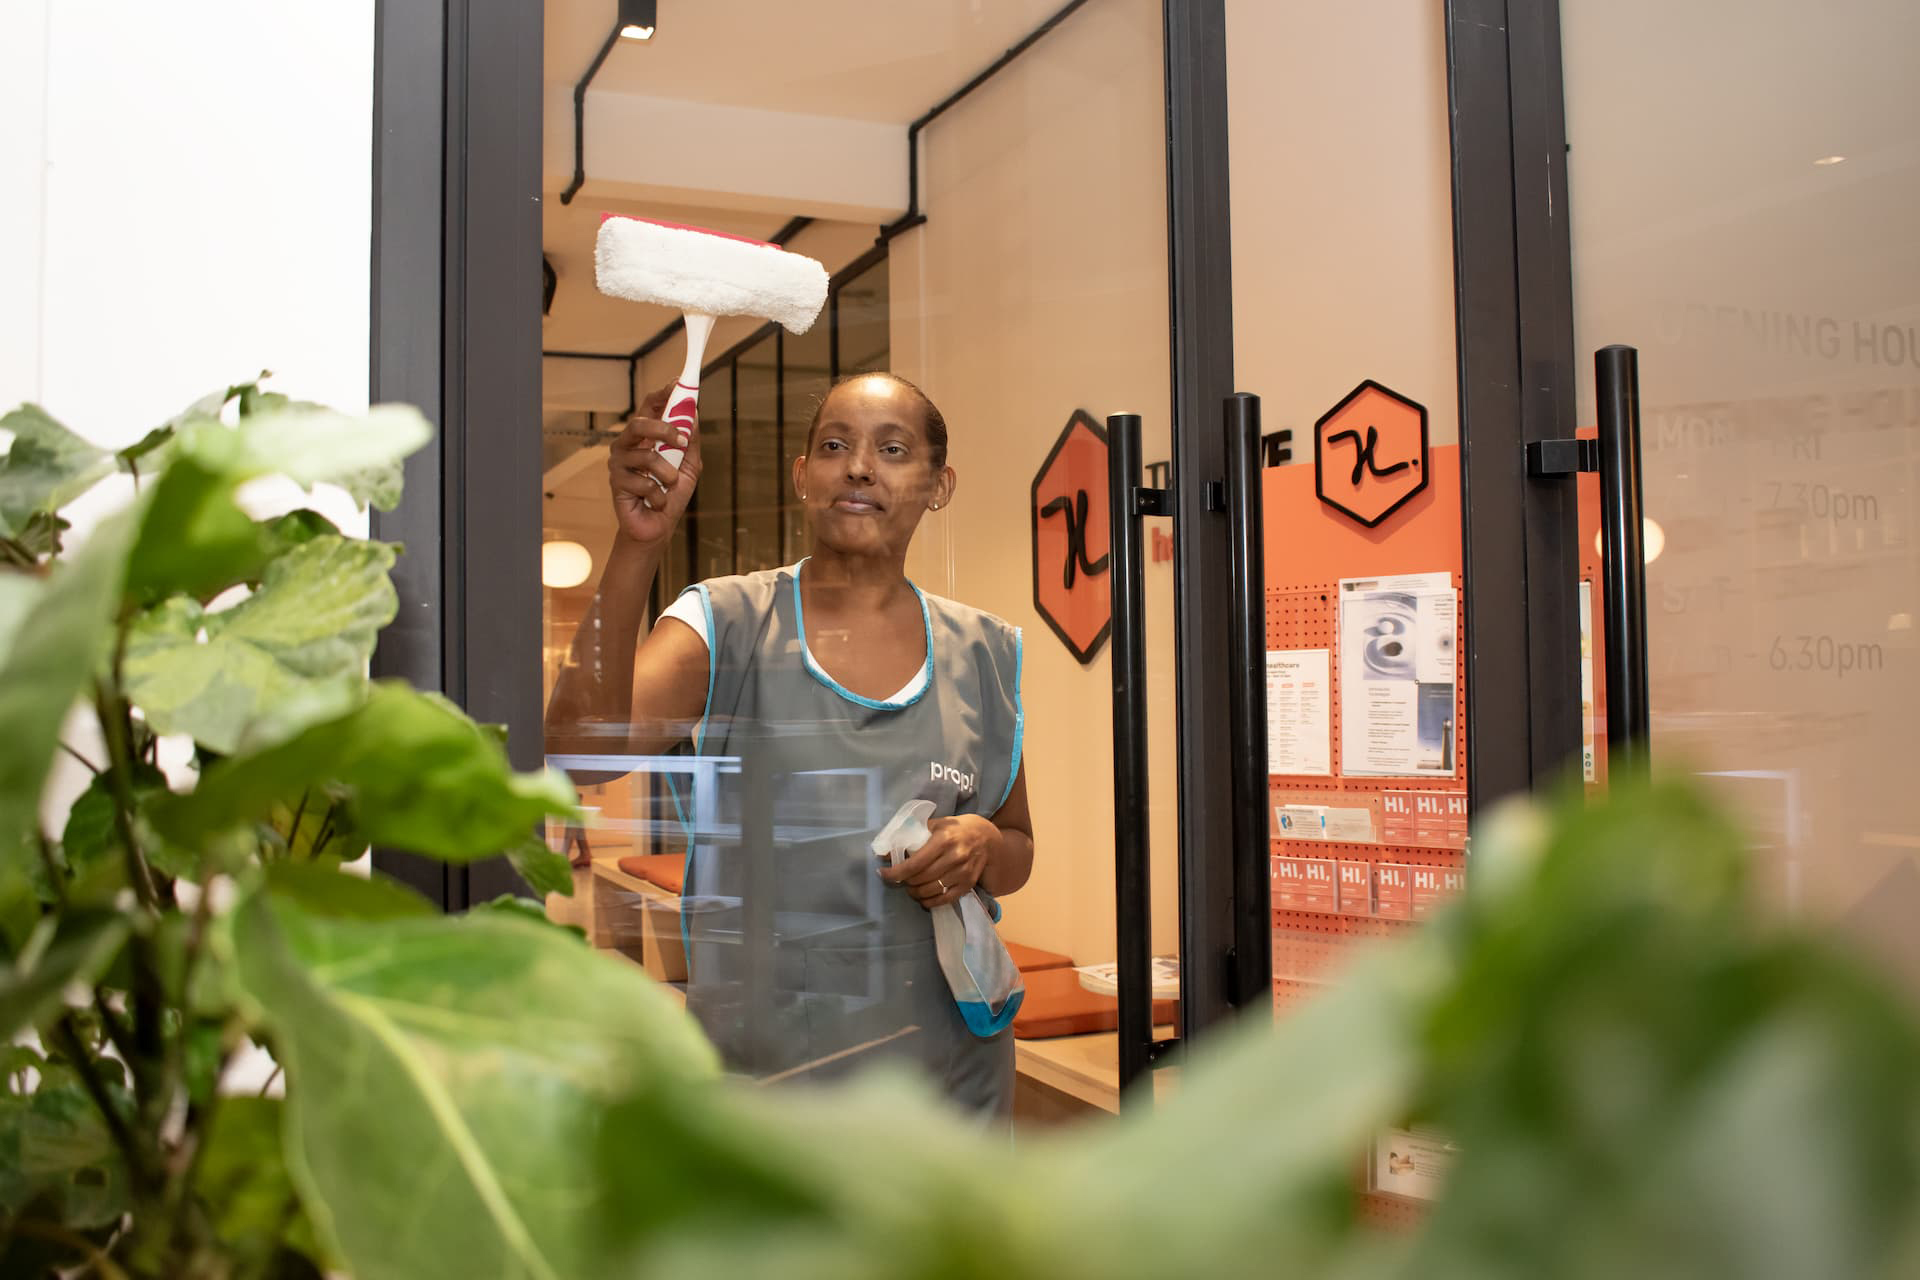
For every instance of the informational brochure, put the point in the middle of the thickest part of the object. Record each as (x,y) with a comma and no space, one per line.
(1299,712)
(1412,1163)
(1397,667)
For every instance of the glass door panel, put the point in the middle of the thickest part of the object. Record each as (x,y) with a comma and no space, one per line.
(1754,246)
(1026,313)
(1344,325)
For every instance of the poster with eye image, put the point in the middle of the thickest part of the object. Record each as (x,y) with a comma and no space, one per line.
(1397,670)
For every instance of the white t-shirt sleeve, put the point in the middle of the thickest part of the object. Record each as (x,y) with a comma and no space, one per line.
(689,608)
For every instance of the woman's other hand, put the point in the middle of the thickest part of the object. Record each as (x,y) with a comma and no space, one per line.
(649,493)
(952,861)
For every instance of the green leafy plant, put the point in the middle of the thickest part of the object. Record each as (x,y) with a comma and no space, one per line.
(1644,1074)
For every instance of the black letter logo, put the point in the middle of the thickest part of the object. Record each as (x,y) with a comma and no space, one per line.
(1363,462)
(1076,514)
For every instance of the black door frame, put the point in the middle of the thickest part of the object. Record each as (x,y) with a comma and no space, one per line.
(455,330)
(1514,316)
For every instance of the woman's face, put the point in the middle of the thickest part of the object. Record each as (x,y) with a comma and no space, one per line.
(869,474)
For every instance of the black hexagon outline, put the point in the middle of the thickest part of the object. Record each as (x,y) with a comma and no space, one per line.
(1319,473)
(1086,656)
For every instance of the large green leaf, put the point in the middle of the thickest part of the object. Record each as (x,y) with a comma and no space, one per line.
(379,486)
(419,775)
(194,538)
(295,648)
(330,891)
(544,870)
(18,594)
(91,843)
(55,1149)
(59,639)
(244,1187)
(1646,1081)
(446,1079)
(307,443)
(47,467)
(1249,1160)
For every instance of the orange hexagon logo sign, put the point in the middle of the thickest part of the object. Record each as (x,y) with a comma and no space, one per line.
(1370,453)
(1070,532)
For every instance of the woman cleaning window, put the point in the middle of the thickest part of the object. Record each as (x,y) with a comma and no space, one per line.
(857,695)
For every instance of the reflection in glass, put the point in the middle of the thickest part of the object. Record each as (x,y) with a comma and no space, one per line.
(1761,259)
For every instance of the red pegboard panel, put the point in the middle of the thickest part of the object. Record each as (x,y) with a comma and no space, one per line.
(1391,1213)
(1308,617)
(1309,548)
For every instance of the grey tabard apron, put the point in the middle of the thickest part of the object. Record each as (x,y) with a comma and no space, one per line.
(802,962)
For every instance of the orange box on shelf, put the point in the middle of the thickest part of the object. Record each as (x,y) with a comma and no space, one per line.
(1396,817)
(1432,886)
(1356,888)
(1429,819)
(1393,890)
(1304,884)
(1426,819)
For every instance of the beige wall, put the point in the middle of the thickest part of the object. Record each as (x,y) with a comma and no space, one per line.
(1342,208)
(1037,287)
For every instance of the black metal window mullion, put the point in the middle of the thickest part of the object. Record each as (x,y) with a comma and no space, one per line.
(733,465)
(833,332)
(779,442)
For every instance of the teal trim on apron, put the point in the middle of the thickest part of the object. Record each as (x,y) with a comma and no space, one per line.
(849,975)
(818,673)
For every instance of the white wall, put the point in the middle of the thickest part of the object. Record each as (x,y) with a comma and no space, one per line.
(188,202)
(185,200)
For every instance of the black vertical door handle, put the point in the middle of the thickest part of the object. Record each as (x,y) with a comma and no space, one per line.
(1252,959)
(1128,502)
(1616,383)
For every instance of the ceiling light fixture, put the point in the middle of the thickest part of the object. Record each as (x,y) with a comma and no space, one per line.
(1829,160)
(637,19)
(564,564)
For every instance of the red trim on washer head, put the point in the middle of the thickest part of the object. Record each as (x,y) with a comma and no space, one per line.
(702,231)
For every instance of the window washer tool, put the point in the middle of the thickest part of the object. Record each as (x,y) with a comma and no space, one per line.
(704,274)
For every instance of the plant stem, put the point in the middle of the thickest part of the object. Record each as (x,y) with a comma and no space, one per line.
(92,768)
(114,729)
(116,1029)
(96,1259)
(54,876)
(293,831)
(326,831)
(97,1090)
(271,1077)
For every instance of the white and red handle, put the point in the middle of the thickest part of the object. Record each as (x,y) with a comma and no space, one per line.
(683,404)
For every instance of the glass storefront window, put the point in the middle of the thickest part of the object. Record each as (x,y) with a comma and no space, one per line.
(1752,245)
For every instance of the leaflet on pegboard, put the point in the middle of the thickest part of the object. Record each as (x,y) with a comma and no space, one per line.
(1398,672)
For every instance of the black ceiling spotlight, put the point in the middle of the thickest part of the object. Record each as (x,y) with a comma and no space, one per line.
(637,20)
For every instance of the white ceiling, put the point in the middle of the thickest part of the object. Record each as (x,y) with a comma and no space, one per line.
(870,60)
(879,60)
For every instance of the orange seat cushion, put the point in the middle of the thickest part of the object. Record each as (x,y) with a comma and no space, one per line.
(668,870)
(1032,959)
(1057,1005)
